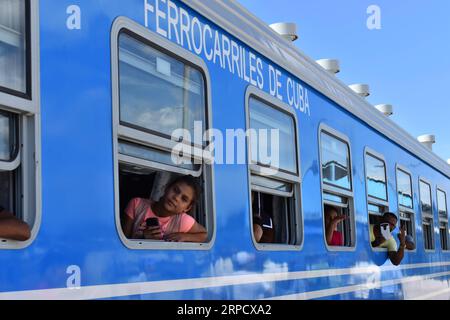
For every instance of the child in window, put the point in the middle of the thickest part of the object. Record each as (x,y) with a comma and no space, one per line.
(173,223)
(332,219)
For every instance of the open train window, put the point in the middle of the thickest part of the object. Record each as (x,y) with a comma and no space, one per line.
(443,219)
(405,201)
(274,180)
(19,116)
(427,214)
(337,186)
(160,95)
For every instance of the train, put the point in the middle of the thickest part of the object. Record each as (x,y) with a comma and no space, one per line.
(95,96)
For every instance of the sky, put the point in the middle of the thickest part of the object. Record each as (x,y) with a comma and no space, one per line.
(406,62)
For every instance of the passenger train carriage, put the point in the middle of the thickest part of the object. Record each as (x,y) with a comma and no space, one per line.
(92,97)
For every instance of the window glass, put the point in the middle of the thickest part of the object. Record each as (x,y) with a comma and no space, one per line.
(376,178)
(404,189)
(150,154)
(443,232)
(425,198)
(442,203)
(273,184)
(265,117)
(157,92)
(13,45)
(335,161)
(5,138)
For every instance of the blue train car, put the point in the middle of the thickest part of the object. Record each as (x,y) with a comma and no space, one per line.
(96,95)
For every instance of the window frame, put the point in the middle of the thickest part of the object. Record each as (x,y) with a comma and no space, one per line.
(373,200)
(294,179)
(26,108)
(328,188)
(426,216)
(445,220)
(147,139)
(401,208)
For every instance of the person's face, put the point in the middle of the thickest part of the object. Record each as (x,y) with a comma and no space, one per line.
(330,215)
(391,221)
(178,198)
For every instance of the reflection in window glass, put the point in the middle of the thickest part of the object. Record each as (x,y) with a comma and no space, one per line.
(13,45)
(425,198)
(264,117)
(155,155)
(157,92)
(332,199)
(8,137)
(404,189)
(335,161)
(442,203)
(271,184)
(376,178)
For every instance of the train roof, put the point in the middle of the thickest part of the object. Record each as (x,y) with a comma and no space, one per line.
(238,21)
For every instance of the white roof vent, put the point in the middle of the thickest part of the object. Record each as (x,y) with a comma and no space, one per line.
(362,90)
(427,140)
(331,65)
(386,109)
(285,29)
(448,161)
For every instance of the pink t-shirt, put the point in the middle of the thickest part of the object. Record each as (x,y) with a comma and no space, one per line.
(139,210)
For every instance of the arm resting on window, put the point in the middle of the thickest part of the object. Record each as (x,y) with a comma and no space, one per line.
(397,257)
(13,229)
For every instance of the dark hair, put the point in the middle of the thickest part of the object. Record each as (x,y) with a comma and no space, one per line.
(257,220)
(191,182)
(387,214)
(327,209)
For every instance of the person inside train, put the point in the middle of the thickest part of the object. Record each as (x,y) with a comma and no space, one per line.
(12,228)
(168,218)
(257,228)
(332,220)
(381,237)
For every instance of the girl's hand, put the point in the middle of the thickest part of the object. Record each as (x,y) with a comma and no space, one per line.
(153,233)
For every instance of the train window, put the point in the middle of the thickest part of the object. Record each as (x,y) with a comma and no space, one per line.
(405,201)
(14,51)
(376,185)
(19,116)
(337,190)
(274,185)
(443,219)
(427,214)
(160,91)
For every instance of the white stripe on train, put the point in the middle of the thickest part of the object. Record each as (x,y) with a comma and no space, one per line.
(143,288)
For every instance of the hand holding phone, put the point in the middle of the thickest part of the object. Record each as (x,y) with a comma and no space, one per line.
(153,231)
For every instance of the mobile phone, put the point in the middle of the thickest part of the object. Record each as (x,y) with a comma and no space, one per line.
(152,222)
